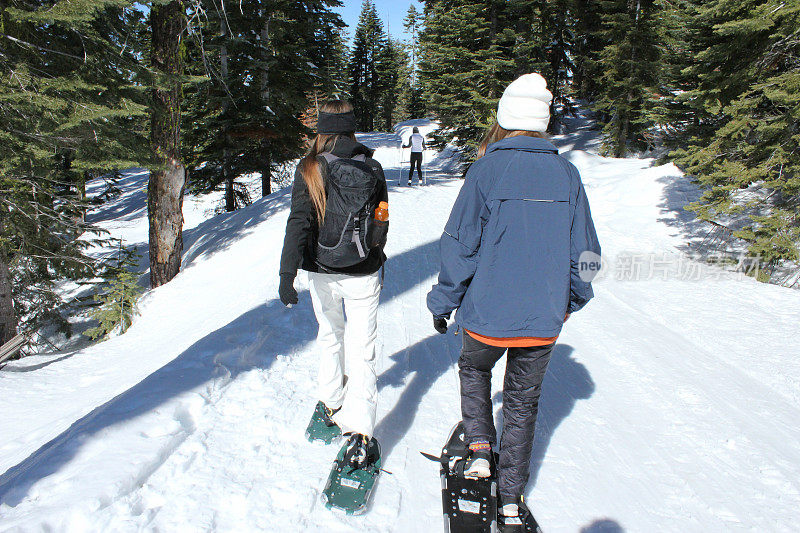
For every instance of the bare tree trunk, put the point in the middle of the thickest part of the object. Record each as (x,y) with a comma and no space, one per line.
(8,318)
(168,180)
(81,189)
(230,200)
(266,173)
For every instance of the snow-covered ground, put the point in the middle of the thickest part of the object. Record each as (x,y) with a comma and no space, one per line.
(671,402)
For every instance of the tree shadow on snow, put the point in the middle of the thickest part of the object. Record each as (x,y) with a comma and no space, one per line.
(375,140)
(578,133)
(251,341)
(700,236)
(208,238)
(129,204)
(565,382)
(425,362)
(219,232)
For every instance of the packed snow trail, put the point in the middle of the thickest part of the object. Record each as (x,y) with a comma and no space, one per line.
(671,402)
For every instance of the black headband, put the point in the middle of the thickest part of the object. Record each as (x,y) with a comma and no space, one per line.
(331,123)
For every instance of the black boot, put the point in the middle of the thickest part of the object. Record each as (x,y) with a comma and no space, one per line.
(357,450)
(326,413)
(479,462)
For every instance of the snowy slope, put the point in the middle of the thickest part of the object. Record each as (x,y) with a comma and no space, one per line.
(671,402)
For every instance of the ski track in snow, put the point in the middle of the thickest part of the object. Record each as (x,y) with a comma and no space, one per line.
(669,405)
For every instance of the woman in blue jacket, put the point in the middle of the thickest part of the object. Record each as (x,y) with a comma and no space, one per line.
(517,258)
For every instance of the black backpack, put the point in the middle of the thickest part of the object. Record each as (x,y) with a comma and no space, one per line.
(350,230)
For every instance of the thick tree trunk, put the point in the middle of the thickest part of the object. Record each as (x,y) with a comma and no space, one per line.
(8,319)
(230,201)
(168,180)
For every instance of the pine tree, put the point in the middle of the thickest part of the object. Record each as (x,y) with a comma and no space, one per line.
(745,147)
(263,60)
(467,61)
(413,104)
(120,293)
(334,56)
(629,64)
(393,73)
(674,115)
(587,45)
(413,24)
(542,36)
(368,45)
(71,107)
(331,52)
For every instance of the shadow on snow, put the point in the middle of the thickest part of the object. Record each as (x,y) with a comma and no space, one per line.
(251,341)
(565,382)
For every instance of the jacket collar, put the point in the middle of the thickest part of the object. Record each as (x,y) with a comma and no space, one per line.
(523,143)
(347,148)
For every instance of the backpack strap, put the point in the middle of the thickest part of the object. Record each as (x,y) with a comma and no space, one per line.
(357,238)
(330,158)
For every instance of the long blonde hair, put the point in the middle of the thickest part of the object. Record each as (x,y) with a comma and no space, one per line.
(309,166)
(497,133)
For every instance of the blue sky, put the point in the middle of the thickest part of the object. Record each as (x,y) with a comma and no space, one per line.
(392,12)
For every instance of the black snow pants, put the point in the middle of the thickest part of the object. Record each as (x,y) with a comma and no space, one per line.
(525,369)
(416,159)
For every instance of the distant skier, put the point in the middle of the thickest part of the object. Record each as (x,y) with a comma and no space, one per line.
(517,257)
(331,234)
(417,144)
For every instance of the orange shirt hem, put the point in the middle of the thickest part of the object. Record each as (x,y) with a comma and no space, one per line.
(512,342)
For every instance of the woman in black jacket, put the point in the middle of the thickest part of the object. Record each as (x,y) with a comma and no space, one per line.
(336,290)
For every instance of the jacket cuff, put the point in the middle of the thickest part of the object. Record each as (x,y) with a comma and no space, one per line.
(575,305)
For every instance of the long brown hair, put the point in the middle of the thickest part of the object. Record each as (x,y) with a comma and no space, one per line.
(309,166)
(497,133)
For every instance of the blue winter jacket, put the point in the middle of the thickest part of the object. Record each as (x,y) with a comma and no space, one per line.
(511,250)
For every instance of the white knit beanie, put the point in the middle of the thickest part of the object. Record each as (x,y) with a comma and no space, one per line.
(525,104)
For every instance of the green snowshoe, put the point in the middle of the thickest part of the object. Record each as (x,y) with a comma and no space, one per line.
(321,427)
(351,481)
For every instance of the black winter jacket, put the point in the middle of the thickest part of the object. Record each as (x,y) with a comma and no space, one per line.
(300,243)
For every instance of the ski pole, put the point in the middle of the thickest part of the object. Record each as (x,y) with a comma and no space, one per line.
(400,178)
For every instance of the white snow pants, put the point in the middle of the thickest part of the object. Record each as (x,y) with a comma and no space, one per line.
(347,377)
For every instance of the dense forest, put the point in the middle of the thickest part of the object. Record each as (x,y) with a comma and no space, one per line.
(202,92)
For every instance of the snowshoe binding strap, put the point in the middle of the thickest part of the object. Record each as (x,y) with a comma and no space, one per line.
(356,456)
(357,237)
(326,414)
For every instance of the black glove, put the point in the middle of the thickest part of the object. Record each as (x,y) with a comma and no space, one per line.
(286,290)
(440,324)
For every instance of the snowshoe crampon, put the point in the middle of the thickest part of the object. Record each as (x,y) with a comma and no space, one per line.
(526,524)
(321,427)
(349,488)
